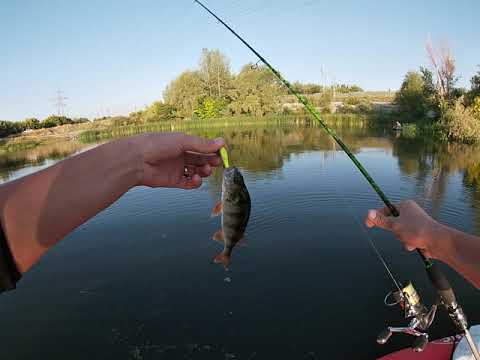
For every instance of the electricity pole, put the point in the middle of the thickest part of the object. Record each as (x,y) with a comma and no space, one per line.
(59,102)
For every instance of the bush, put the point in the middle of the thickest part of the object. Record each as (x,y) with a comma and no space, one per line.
(31,123)
(351,100)
(409,130)
(476,107)
(118,121)
(9,128)
(364,107)
(361,107)
(345,89)
(55,120)
(347,109)
(158,111)
(459,123)
(209,108)
(307,88)
(80,120)
(322,101)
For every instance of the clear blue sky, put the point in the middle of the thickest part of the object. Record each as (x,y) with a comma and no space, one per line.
(112,56)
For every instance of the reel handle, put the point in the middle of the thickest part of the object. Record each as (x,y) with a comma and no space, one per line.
(420,343)
(383,337)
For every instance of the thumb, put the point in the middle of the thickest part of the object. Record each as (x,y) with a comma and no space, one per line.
(376,218)
(202,145)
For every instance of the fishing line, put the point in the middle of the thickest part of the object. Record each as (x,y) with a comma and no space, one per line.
(368,237)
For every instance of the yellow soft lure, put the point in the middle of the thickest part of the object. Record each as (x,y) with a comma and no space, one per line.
(224,155)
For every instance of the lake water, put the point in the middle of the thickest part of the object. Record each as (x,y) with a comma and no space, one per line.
(138,280)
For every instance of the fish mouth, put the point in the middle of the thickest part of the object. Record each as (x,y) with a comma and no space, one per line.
(232,176)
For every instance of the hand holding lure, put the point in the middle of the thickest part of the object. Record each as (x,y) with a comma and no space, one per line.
(436,276)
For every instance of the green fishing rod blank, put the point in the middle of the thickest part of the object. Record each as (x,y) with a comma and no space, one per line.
(316,115)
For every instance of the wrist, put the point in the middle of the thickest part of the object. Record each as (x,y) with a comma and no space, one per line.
(441,242)
(131,150)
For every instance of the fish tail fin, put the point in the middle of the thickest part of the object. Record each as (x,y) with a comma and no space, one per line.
(222,258)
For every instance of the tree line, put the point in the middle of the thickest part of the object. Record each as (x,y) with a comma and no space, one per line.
(212,90)
(14,127)
(431,97)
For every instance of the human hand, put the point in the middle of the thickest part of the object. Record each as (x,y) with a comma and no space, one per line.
(175,159)
(413,227)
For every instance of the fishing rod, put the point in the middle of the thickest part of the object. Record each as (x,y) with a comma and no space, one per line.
(406,297)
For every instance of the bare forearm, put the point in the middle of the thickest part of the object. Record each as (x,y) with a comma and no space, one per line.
(461,252)
(39,210)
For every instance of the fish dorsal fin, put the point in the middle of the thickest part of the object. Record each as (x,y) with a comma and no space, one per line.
(218,236)
(217,209)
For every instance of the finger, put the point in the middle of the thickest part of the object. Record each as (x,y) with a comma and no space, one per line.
(201,145)
(410,247)
(189,170)
(376,218)
(369,223)
(426,253)
(189,183)
(385,211)
(204,171)
(202,159)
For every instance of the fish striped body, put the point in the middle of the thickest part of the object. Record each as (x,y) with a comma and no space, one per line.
(235,208)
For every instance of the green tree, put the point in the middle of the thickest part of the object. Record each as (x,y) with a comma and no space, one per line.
(429,93)
(183,93)
(9,128)
(410,98)
(158,111)
(256,91)
(345,89)
(215,73)
(31,123)
(474,86)
(307,88)
(55,120)
(210,108)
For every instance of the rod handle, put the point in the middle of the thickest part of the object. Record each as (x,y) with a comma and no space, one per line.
(435,274)
(440,283)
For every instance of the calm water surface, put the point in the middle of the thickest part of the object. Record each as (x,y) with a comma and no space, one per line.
(138,280)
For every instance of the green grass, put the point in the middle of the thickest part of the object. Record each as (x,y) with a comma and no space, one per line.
(214,127)
(409,130)
(17,146)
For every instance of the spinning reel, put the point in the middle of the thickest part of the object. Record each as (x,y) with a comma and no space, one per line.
(420,317)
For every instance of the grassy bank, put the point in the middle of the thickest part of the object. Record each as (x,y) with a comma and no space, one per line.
(120,127)
(212,127)
(63,133)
